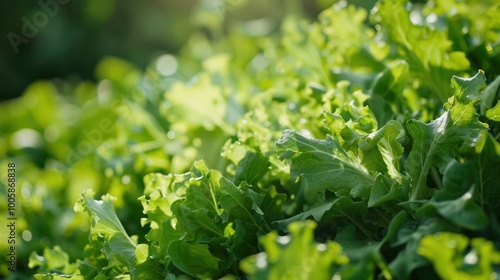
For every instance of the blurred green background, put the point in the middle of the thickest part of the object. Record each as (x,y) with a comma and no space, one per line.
(74,35)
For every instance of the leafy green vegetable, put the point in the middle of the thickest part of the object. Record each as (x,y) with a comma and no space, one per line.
(358,146)
(321,162)
(434,144)
(295,256)
(452,258)
(107,232)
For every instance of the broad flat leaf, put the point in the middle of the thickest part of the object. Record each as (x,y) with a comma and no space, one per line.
(315,213)
(410,235)
(457,180)
(435,144)
(388,85)
(392,80)
(449,256)
(105,222)
(462,211)
(386,189)
(456,201)
(346,207)
(472,187)
(381,108)
(161,238)
(142,253)
(242,203)
(251,168)
(339,207)
(272,205)
(198,223)
(194,259)
(150,269)
(360,252)
(356,248)
(365,254)
(245,241)
(295,256)
(469,89)
(324,165)
(488,167)
(480,171)
(395,225)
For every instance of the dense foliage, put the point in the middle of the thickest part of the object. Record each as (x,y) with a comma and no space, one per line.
(362,145)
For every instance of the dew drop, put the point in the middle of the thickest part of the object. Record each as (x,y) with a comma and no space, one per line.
(283,240)
(126,180)
(261,261)
(416,17)
(321,247)
(26,235)
(25,138)
(471,258)
(171,134)
(166,65)
(432,18)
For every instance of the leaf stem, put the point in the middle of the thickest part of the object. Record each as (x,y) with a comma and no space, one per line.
(379,260)
(497,136)
(436,178)
(387,221)
(146,146)
(363,229)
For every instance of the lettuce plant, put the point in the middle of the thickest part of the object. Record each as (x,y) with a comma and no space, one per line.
(363,145)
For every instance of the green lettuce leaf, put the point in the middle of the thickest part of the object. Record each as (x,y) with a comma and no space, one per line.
(436,143)
(454,256)
(194,259)
(324,165)
(296,255)
(104,223)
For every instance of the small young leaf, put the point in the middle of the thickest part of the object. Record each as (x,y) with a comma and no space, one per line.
(296,255)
